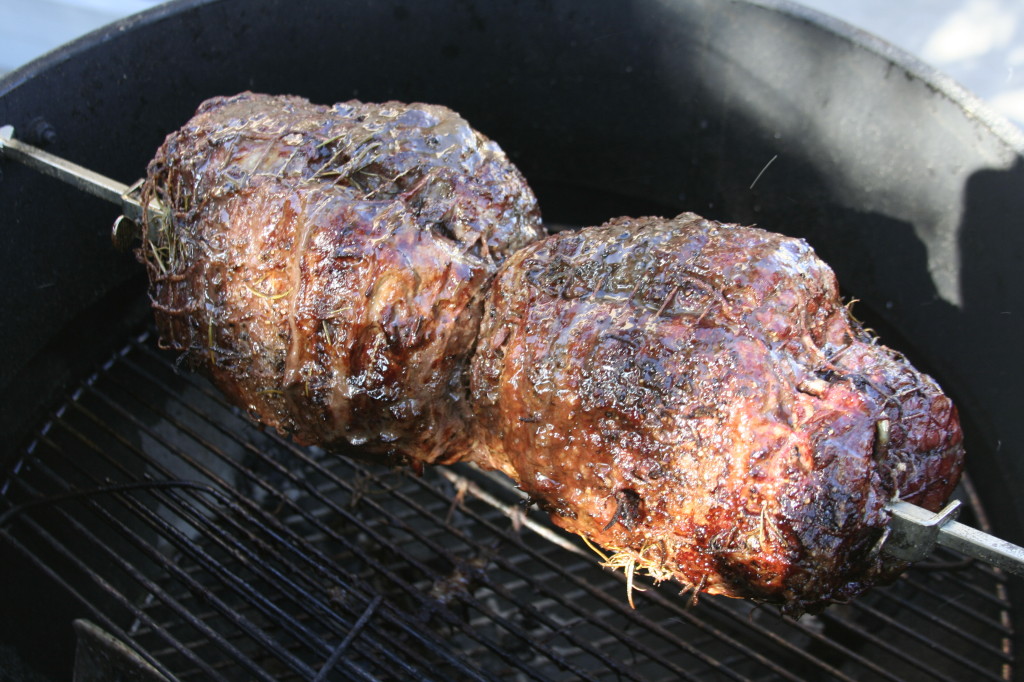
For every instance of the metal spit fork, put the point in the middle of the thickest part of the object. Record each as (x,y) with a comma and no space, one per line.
(128,197)
(913,531)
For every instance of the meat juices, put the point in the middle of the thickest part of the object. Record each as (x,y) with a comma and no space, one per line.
(695,398)
(324,266)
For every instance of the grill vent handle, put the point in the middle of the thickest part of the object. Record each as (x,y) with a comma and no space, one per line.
(125,196)
(914,532)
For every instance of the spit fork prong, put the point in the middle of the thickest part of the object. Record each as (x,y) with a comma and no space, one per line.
(915,531)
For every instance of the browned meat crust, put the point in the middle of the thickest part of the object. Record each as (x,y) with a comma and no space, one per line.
(695,398)
(324,265)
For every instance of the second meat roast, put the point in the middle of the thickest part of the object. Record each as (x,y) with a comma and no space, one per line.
(696,398)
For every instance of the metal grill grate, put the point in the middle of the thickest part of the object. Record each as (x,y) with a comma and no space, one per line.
(223,552)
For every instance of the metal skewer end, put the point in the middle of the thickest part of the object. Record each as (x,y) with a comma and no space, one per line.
(126,228)
(915,531)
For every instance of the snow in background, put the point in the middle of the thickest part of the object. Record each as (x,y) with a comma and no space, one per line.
(980,43)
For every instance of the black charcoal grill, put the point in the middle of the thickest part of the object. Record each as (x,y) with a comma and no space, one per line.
(155,530)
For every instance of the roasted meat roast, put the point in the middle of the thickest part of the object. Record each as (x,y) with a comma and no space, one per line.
(693,397)
(324,265)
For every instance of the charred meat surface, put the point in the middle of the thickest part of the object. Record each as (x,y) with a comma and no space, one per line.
(695,398)
(324,265)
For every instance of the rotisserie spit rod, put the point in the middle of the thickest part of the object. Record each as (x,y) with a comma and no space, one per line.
(913,532)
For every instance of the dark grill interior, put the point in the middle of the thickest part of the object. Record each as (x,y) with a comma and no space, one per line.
(223,552)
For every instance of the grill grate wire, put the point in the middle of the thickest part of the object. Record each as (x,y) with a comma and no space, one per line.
(220,551)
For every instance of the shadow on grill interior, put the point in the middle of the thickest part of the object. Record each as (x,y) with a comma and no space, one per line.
(217,550)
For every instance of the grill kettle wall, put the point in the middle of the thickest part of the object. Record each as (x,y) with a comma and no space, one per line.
(755,112)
